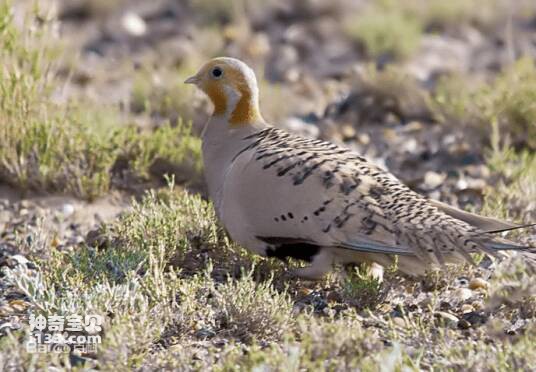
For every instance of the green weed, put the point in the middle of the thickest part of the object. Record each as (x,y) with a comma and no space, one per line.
(385,31)
(508,101)
(72,147)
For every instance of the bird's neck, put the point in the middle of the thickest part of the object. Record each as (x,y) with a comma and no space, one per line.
(240,106)
(246,110)
(221,144)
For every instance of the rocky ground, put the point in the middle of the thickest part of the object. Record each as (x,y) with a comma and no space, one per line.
(441,95)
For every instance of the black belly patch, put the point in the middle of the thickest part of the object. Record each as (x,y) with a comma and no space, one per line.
(283,248)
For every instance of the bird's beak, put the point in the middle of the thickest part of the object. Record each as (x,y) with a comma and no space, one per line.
(192,80)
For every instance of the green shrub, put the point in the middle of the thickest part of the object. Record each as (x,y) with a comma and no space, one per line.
(69,147)
(385,31)
(509,101)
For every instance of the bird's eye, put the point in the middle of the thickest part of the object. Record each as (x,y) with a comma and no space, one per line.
(217,72)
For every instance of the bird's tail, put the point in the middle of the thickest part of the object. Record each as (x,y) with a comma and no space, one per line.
(516,227)
(414,264)
(486,241)
(493,243)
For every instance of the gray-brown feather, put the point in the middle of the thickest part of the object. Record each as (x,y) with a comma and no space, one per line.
(373,210)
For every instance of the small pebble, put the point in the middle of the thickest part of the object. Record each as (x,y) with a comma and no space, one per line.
(449,319)
(55,242)
(410,145)
(462,294)
(5,216)
(79,239)
(134,24)
(433,179)
(467,308)
(6,310)
(478,283)
(413,126)
(475,318)
(348,132)
(478,305)
(327,311)
(17,260)
(398,321)
(305,291)
(67,209)
(205,333)
(363,138)
(19,305)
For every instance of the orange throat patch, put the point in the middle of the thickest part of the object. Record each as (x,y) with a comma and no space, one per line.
(218,98)
(246,110)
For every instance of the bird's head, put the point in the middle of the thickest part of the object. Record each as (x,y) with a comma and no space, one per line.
(232,87)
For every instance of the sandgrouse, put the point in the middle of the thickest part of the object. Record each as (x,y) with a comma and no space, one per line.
(281,195)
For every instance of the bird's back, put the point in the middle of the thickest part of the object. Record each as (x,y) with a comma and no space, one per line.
(288,187)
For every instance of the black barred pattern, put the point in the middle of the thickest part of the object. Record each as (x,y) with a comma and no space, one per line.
(361,198)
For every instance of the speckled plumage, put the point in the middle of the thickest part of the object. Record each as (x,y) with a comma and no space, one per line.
(283,195)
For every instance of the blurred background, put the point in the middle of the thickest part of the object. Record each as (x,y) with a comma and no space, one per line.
(422,87)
